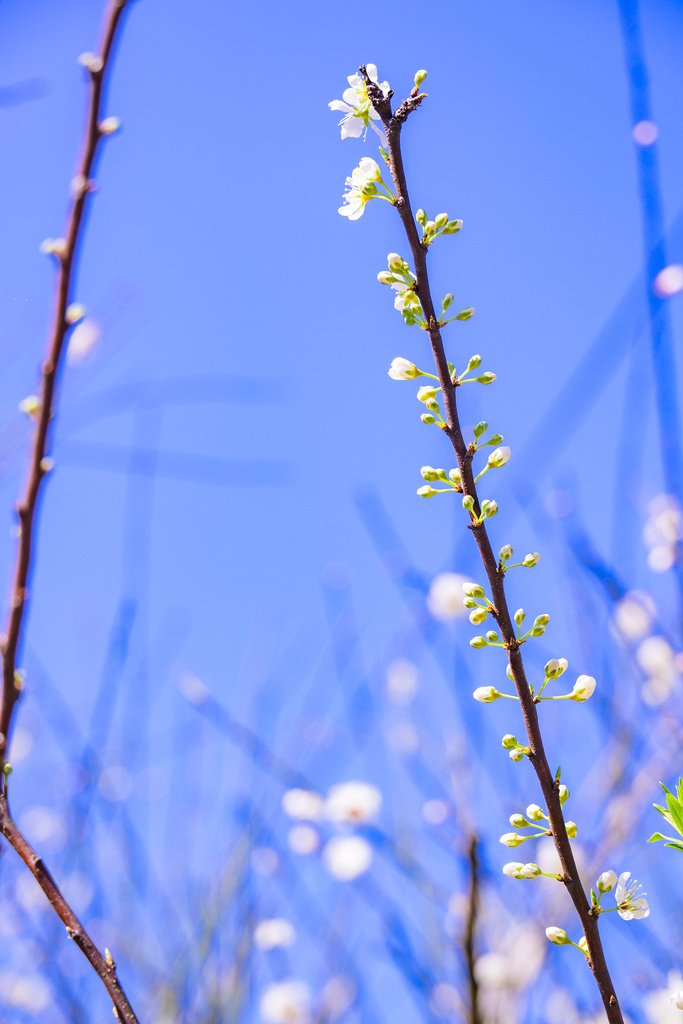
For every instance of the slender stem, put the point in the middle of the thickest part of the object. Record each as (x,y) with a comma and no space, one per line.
(10,642)
(471,932)
(393,123)
(102,964)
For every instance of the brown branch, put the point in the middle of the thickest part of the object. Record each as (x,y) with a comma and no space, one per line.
(469,940)
(501,612)
(10,643)
(102,964)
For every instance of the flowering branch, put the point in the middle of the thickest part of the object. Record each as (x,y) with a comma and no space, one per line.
(416,304)
(41,408)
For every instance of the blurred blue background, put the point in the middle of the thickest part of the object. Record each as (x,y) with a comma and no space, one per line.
(233,506)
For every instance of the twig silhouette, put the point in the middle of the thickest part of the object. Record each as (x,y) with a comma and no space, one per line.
(393,122)
(65,251)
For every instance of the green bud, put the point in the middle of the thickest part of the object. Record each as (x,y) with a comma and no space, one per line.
(517,754)
(452,227)
(474,362)
(563,793)
(505,553)
(432,405)
(480,428)
(426,491)
(426,392)
(7,770)
(477,642)
(495,439)
(429,473)
(455,476)
(421,218)
(427,417)
(509,741)
(395,262)
(572,829)
(468,503)
(489,508)
(441,475)
(441,220)
(486,378)
(492,637)
(518,821)
(473,590)
(466,314)
(478,616)
(419,78)
(446,301)
(519,616)
(532,559)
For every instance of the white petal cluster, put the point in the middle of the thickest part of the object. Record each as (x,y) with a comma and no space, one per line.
(347,857)
(303,804)
(445,596)
(286,1002)
(274,933)
(353,803)
(630,905)
(356,107)
(361,187)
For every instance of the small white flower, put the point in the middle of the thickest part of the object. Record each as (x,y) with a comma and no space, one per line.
(445,596)
(303,804)
(286,1002)
(513,868)
(347,857)
(74,313)
(403,369)
(361,188)
(529,871)
(109,125)
(30,406)
(273,933)
(630,906)
(353,803)
(535,813)
(356,107)
(499,457)
(556,667)
(606,881)
(583,689)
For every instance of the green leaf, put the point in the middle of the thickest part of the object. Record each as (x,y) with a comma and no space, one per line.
(676,812)
(675,846)
(656,837)
(558,774)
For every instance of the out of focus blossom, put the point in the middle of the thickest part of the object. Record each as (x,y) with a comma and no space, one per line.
(633,615)
(303,804)
(273,933)
(286,1002)
(353,803)
(445,596)
(303,839)
(347,857)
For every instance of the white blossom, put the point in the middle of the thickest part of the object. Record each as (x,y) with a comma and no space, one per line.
(303,804)
(353,803)
(499,457)
(286,1002)
(583,689)
(347,857)
(445,596)
(486,694)
(631,906)
(361,188)
(557,935)
(355,105)
(303,839)
(273,933)
(606,881)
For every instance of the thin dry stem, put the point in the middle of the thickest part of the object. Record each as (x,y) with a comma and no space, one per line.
(10,645)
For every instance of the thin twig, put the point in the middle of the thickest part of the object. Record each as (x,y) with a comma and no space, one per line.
(10,643)
(393,124)
(469,939)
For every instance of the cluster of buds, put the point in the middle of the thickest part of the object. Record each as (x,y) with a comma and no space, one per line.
(516,750)
(531,559)
(441,225)
(400,277)
(631,904)
(487,508)
(535,818)
(452,478)
(479,430)
(559,937)
(583,688)
(476,601)
(473,364)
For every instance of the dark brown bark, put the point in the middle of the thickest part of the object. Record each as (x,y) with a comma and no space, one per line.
(393,124)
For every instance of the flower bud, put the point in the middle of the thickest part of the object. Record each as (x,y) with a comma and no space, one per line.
(511,839)
(432,405)
(455,476)
(473,590)
(572,829)
(452,227)
(606,881)
(498,458)
(508,672)
(492,636)
(563,793)
(518,821)
(427,417)
(478,616)
(677,1000)
(519,616)
(421,218)
(513,868)
(517,754)
(109,125)
(447,300)
(535,813)
(495,439)
(30,406)
(394,261)
(583,946)
(91,63)
(474,362)
(429,473)
(53,247)
(533,558)
(557,935)
(403,369)
(384,277)
(489,508)
(505,553)
(555,667)
(468,502)
(466,314)
(477,642)
(583,689)
(426,491)
(74,313)
(509,741)
(530,871)
(426,393)
(420,77)
(486,378)
(485,694)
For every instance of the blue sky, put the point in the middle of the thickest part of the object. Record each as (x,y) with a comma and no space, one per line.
(216,451)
